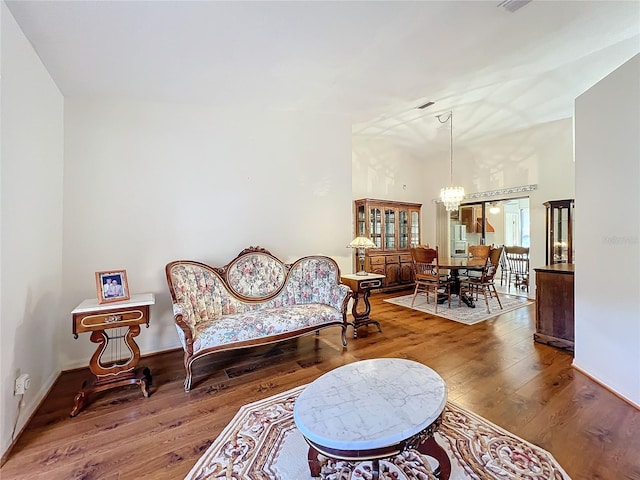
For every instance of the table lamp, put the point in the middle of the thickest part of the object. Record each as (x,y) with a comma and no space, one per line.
(361,243)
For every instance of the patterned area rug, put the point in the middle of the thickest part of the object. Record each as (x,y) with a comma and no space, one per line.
(462,313)
(262,443)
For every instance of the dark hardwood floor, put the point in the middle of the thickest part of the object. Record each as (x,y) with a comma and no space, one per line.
(493,368)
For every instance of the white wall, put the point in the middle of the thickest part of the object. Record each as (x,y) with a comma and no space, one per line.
(607,241)
(148,183)
(31,246)
(388,172)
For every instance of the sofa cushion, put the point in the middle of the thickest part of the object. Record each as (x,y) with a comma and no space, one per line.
(256,324)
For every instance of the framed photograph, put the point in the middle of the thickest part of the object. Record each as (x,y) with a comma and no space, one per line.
(112,286)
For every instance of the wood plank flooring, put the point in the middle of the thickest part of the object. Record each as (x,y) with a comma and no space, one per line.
(493,368)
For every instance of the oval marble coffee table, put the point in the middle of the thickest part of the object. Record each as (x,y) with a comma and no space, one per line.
(373,409)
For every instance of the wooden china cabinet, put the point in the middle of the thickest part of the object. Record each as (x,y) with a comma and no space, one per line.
(394,227)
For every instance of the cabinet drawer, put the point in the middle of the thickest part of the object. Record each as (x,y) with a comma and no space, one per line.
(392,259)
(378,269)
(87,322)
(405,258)
(376,260)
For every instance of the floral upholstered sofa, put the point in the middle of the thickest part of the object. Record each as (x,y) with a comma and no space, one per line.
(254,300)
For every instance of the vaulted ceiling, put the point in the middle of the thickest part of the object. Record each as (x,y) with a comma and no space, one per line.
(498,70)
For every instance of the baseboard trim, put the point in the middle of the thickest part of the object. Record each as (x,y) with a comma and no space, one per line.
(606,387)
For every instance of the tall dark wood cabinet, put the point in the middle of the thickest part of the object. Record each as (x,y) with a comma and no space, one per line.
(394,227)
(555,305)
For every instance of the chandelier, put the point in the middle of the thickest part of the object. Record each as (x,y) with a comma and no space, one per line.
(451,196)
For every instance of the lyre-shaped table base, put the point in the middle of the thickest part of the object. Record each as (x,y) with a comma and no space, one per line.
(98,384)
(115,374)
(113,327)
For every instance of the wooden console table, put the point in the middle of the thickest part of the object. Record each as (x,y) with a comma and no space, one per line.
(100,320)
(362,284)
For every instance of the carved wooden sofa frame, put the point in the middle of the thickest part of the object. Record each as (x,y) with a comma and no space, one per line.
(255,299)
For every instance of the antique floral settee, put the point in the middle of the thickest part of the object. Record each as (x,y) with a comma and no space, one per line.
(254,300)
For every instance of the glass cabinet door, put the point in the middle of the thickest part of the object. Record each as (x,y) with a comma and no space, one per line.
(360,221)
(560,232)
(560,227)
(403,229)
(389,229)
(375,219)
(415,228)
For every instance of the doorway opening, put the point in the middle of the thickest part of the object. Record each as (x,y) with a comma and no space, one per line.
(497,222)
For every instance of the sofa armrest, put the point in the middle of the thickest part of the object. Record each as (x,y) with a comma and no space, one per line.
(339,296)
(185,328)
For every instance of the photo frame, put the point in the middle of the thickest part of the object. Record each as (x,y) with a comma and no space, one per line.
(112,286)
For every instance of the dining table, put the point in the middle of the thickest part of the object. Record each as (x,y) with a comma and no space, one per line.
(455,265)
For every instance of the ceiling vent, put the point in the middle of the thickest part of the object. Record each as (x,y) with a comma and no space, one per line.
(428,104)
(513,5)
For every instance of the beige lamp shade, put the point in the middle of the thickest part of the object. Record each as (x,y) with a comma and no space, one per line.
(361,243)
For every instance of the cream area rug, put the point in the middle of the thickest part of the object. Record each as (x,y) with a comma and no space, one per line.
(262,443)
(462,313)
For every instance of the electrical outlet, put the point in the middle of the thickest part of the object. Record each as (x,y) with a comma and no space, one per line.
(23,382)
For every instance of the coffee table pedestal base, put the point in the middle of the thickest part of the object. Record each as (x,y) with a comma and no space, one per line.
(424,443)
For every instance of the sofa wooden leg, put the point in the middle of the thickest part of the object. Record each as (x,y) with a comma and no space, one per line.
(187,380)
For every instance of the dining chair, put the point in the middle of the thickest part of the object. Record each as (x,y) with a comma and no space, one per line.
(477,255)
(484,283)
(426,269)
(518,259)
(504,268)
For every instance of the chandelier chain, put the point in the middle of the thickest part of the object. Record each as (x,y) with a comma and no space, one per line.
(451,196)
(450,120)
